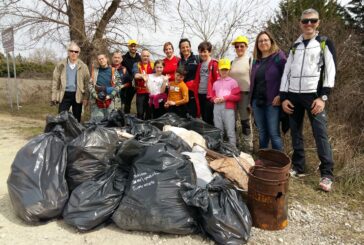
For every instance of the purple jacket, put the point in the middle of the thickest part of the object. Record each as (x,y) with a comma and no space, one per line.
(273,75)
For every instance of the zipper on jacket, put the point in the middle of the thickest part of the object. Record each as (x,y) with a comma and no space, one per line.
(303,62)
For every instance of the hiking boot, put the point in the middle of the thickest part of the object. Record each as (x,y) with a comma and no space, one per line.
(293,173)
(325,184)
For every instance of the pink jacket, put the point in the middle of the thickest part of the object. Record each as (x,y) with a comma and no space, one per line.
(229,89)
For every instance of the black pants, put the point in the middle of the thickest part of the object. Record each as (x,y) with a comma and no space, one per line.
(179,110)
(69,100)
(191,106)
(206,108)
(143,109)
(157,112)
(126,97)
(302,103)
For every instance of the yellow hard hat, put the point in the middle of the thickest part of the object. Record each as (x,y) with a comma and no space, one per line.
(224,64)
(241,39)
(132,41)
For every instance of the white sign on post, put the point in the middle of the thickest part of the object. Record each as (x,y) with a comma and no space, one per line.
(8,39)
(8,44)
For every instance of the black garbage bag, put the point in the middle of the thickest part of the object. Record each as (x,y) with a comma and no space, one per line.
(131,120)
(72,128)
(88,156)
(152,201)
(37,186)
(93,202)
(168,119)
(144,131)
(149,135)
(223,215)
(114,119)
(227,149)
(212,135)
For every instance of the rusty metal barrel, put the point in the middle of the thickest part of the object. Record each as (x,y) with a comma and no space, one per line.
(268,190)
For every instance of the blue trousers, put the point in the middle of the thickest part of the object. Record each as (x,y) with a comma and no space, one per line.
(267,120)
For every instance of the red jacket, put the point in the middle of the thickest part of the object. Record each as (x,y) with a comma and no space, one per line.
(140,85)
(170,67)
(213,76)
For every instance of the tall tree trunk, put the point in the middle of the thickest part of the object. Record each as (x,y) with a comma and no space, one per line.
(76,18)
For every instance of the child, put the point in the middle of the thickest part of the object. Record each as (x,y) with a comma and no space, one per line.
(156,84)
(178,94)
(225,95)
(206,74)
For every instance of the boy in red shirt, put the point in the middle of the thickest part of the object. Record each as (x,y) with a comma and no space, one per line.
(206,74)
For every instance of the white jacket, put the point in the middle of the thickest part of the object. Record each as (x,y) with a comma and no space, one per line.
(302,70)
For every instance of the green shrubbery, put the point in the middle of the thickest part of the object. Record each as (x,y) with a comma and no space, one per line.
(26,68)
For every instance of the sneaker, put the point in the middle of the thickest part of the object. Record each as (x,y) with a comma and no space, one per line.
(293,173)
(325,184)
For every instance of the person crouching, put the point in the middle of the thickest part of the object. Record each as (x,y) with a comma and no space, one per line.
(104,86)
(225,95)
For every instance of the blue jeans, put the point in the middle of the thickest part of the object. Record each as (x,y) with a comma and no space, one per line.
(267,120)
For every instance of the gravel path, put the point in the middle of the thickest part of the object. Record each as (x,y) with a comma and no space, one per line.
(308,224)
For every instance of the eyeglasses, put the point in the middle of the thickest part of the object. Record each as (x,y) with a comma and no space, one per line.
(240,46)
(312,21)
(74,51)
(264,41)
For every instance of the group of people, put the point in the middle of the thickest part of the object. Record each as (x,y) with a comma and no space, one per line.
(219,91)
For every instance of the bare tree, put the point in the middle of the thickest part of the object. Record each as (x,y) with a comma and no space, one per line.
(220,21)
(95,25)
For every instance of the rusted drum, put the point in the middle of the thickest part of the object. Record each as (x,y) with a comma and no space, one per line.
(272,165)
(268,190)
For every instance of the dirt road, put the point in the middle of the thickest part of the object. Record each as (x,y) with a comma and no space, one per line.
(308,224)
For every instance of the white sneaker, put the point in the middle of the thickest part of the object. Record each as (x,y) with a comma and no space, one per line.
(295,174)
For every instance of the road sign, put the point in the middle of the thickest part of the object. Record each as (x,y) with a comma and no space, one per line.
(8,39)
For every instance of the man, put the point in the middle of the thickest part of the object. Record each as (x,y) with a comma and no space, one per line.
(129,59)
(104,86)
(69,84)
(308,77)
(140,74)
(126,79)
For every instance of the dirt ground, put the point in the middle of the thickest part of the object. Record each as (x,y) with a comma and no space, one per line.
(308,223)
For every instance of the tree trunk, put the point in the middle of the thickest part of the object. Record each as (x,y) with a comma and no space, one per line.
(76,18)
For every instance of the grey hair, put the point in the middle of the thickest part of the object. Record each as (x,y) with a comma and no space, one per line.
(117,52)
(73,44)
(310,11)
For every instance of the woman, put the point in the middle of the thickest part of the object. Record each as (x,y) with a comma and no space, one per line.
(240,72)
(266,73)
(190,62)
(170,62)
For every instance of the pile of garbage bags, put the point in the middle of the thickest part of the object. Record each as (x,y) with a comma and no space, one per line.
(142,175)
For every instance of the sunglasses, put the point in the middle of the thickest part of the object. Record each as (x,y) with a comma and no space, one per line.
(240,46)
(74,51)
(306,21)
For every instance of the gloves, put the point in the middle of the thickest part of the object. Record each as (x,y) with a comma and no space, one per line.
(109,90)
(101,95)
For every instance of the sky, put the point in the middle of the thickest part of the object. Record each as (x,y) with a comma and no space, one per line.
(146,36)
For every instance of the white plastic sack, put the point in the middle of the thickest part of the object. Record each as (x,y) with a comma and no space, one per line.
(189,136)
(202,169)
